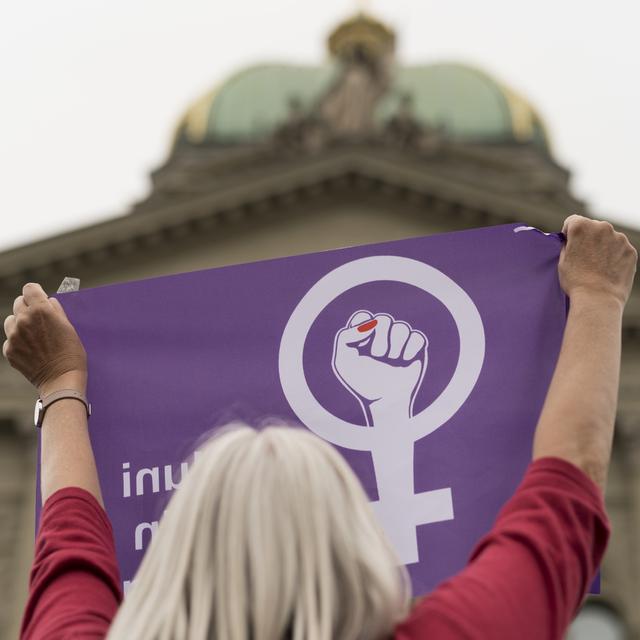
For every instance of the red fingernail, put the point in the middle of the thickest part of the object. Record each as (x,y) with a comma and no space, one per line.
(367,325)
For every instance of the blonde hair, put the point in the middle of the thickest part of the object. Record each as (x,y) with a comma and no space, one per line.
(269,536)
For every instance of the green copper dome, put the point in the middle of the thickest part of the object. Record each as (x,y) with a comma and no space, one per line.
(466,103)
(253,102)
(469,104)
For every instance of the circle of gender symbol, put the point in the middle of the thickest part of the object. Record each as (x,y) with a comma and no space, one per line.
(398,508)
(363,271)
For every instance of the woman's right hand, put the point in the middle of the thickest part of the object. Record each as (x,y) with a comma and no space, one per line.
(596,260)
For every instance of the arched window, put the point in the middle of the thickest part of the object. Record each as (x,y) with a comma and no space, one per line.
(597,621)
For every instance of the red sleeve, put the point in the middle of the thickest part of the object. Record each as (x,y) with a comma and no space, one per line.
(527,577)
(74,588)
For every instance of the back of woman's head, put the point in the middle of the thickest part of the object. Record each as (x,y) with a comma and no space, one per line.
(269,536)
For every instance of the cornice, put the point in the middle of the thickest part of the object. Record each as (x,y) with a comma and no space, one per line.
(332,172)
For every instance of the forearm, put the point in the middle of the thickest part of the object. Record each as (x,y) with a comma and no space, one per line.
(578,416)
(66,455)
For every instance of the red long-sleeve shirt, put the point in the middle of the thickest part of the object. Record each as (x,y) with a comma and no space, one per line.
(525,579)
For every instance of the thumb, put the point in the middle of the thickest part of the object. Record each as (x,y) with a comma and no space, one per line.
(57,307)
(358,333)
(570,221)
(359,317)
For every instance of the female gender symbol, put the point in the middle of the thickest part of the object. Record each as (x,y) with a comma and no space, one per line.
(392,445)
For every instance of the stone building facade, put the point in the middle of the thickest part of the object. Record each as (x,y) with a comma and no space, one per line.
(283,159)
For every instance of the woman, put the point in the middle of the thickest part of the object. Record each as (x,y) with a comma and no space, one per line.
(270,535)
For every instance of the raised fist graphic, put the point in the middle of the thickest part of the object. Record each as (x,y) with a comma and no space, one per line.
(380,361)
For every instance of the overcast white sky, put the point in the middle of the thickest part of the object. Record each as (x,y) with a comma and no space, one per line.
(91,89)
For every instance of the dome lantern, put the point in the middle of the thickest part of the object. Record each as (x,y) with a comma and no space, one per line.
(361,38)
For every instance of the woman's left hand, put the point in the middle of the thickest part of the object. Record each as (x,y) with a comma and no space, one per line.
(41,341)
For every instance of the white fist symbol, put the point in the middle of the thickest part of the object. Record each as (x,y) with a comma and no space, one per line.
(381,361)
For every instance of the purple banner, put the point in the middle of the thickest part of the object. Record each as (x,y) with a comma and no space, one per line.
(425,361)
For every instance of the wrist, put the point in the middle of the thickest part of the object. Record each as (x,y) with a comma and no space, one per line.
(76,380)
(389,411)
(589,298)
